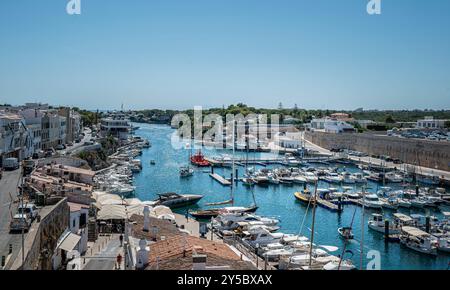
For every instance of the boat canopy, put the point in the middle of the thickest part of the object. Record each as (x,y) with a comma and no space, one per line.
(402,217)
(412,231)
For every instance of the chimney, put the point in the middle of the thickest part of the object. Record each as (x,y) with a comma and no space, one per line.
(146,218)
(142,255)
(198,259)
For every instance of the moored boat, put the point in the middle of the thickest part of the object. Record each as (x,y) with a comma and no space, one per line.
(378,224)
(418,240)
(174,200)
(346,233)
(199,160)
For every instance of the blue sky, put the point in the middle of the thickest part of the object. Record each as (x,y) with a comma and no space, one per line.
(323,54)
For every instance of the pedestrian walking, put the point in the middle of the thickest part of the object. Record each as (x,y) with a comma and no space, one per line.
(119,261)
(121,239)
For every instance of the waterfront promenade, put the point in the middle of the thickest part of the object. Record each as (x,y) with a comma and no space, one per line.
(376,161)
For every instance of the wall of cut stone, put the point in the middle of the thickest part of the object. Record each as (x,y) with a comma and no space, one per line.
(427,153)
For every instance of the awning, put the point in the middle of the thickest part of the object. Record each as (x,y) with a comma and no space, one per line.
(70,242)
(112,212)
(412,231)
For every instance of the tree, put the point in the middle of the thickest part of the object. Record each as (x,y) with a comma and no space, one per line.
(390,119)
(447,124)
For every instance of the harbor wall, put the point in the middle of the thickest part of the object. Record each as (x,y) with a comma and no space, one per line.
(426,153)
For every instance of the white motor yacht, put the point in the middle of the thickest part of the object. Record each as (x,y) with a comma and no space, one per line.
(372,201)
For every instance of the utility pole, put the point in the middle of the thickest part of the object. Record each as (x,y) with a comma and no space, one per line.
(23,229)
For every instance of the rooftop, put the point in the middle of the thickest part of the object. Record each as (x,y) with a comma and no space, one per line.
(176,253)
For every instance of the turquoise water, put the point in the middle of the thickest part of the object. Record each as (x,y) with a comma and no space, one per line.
(274,200)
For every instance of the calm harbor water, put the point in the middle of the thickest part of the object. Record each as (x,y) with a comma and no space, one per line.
(274,200)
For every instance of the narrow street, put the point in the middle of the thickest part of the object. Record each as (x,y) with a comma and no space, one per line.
(8,190)
(105,259)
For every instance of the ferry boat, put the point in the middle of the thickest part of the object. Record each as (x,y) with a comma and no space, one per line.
(199,160)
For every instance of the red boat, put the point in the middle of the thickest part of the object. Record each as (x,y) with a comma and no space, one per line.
(199,160)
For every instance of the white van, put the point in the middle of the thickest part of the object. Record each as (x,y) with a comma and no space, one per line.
(11,163)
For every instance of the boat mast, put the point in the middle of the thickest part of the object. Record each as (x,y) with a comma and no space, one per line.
(313,223)
(362,230)
(232,167)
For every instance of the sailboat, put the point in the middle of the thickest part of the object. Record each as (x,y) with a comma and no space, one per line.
(186,171)
(212,213)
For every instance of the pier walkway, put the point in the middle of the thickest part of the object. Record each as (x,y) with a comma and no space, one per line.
(220,179)
(329,205)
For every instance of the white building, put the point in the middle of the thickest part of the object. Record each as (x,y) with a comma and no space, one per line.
(15,138)
(334,126)
(330,125)
(53,130)
(431,123)
(33,121)
(119,128)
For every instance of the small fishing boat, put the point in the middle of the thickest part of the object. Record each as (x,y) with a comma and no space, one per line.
(346,233)
(378,224)
(418,240)
(304,196)
(152,162)
(206,214)
(186,171)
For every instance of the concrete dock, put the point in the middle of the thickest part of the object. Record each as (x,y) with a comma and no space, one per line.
(328,205)
(220,179)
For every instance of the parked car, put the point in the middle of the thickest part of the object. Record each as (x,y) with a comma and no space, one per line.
(20,222)
(28,166)
(88,143)
(28,209)
(11,163)
(49,152)
(60,147)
